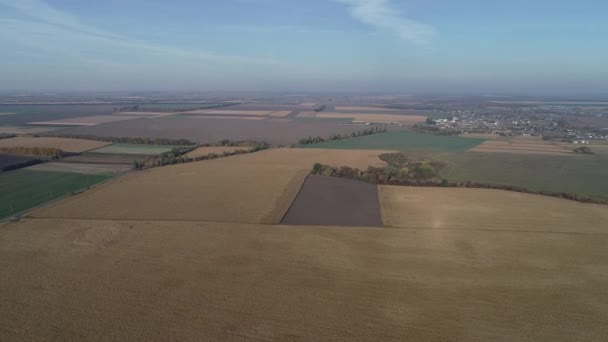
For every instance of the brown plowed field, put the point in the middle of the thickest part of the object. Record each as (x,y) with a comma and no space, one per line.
(254,188)
(64,144)
(483,209)
(211,131)
(332,201)
(85,121)
(87,280)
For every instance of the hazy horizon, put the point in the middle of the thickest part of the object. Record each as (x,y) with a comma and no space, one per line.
(469,47)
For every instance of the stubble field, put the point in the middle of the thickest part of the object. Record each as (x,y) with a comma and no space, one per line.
(252,188)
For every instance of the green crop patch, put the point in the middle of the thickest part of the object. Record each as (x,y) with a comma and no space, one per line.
(135,149)
(24,189)
(403,141)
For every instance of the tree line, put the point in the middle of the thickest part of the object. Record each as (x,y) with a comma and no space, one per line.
(402,171)
(127,140)
(337,136)
(35,151)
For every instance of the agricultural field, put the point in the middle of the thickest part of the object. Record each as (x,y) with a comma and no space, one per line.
(238,112)
(25,129)
(135,149)
(82,168)
(579,174)
(371,109)
(88,279)
(64,144)
(379,118)
(8,160)
(522,147)
(221,117)
(403,141)
(141,114)
(253,188)
(46,112)
(24,189)
(85,121)
(205,151)
(332,201)
(485,209)
(94,158)
(212,131)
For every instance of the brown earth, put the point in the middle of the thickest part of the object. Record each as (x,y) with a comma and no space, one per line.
(85,121)
(483,209)
(64,144)
(253,188)
(332,201)
(211,131)
(84,280)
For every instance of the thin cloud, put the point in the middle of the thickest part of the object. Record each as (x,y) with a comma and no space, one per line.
(379,14)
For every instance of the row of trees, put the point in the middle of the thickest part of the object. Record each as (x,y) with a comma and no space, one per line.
(34,151)
(336,136)
(7,135)
(402,171)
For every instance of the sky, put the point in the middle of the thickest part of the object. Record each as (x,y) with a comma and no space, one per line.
(408,46)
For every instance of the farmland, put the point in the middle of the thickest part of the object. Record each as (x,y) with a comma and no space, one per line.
(521,147)
(85,121)
(204,151)
(24,189)
(331,201)
(136,149)
(255,188)
(403,141)
(37,112)
(381,118)
(64,144)
(82,168)
(10,160)
(211,131)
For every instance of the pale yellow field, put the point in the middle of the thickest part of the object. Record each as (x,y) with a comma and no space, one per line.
(253,188)
(89,280)
(381,118)
(64,144)
(204,151)
(483,209)
(521,146)
(230,112)
(85,121)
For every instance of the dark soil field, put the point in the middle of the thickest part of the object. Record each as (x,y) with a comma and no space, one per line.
(31,113)
(93,158)
(332,201)
(9,160)
(208,131)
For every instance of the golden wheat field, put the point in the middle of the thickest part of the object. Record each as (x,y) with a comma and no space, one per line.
(484,209)
(64,144)
(75,280)
(253,188)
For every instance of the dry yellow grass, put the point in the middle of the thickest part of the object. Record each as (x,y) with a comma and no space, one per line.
(521,146)
(85,121)
(254,188)
(64,144)
(229,112)
(381,118)
(450,208)
(204,151)
(87,280)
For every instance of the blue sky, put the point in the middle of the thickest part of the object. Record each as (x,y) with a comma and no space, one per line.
(476,46)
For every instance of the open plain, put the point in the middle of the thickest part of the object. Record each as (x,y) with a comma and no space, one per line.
(64,144)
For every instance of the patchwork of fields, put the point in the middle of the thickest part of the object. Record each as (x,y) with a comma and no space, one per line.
(136,149)
(66,145)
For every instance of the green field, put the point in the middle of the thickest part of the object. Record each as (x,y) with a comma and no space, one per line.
(403,141)
(136,149)
(24,189)
(583,175)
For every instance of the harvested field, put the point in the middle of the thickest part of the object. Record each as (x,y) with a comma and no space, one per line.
(205,151)
(64,144)
(221,117)
(332,201)
(257,188)
(526,147)
(85,121)
(142,280)
(212,131)
(141,113)
(26,129)
(371,109)
(7,160)
(381,118)
(283,113)
(230,112)
(82,168)
(24,189)
(137,149)
(484,209)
